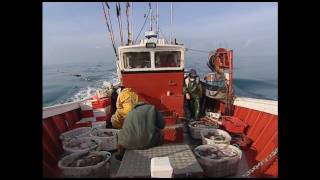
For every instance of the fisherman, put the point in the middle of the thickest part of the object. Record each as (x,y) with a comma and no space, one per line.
(114,97)
(141,129)
(192,91)
(126,100)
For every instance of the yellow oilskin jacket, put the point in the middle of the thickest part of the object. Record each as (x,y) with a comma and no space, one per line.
(125,103)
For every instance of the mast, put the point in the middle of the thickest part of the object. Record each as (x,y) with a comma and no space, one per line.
(150,16)
(131,18)
(128,23)
(171,23)
(157,21)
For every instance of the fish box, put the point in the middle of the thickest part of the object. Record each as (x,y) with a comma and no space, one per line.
(101,103)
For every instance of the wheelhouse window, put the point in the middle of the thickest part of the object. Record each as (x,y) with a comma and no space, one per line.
(167,59)
(132,60)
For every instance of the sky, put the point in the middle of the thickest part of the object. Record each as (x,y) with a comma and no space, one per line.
(76,32)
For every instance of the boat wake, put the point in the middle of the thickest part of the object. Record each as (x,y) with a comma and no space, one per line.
(89,91)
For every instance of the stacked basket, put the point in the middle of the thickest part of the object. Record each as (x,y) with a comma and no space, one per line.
(108,142)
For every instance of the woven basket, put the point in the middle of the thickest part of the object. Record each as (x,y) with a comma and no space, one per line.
(205,140)
(107,143)
(225,166)
(99,125)
(75,133)
(95,145)
(195,131)
(99,170)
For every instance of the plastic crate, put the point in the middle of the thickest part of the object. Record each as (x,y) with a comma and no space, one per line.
(173,134)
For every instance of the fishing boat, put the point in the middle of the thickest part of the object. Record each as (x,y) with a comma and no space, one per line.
(142,67)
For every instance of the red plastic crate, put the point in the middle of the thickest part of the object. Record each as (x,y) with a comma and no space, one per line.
(173,134)
(101,103)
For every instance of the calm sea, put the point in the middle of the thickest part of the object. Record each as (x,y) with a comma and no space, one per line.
(255,77)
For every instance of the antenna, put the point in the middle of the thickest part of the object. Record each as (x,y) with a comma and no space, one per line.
(171,23)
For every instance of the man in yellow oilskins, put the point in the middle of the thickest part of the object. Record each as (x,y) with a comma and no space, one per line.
(192,91)
(126,100)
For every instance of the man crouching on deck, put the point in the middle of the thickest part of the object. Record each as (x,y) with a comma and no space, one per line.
(141,129)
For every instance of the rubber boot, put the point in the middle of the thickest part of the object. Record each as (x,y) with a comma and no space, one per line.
(120,153)
(196,105)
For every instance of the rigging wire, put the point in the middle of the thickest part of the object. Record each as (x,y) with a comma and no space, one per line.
(203,51)
(109,27)
(163,36)
(118,9)
(142,27)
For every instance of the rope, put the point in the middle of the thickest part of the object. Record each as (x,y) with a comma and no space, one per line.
(142,26)
(109,27)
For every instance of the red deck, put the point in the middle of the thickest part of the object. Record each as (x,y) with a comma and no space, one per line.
(263,130)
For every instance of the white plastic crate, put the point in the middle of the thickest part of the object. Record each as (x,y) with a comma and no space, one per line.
(161,167)
(101,112)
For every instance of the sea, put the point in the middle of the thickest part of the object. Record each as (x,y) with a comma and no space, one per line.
(254,76)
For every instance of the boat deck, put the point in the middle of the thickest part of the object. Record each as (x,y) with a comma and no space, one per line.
(117,171)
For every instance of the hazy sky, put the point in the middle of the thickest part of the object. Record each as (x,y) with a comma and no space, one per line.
(76,32)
